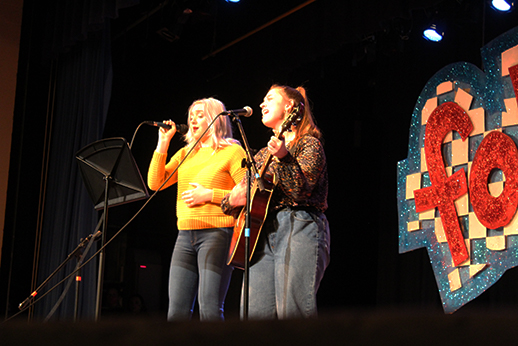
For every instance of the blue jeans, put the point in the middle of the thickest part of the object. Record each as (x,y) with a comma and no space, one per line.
(198,268)
(288,264)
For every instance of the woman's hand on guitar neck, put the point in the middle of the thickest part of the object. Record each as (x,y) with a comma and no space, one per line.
(277,147)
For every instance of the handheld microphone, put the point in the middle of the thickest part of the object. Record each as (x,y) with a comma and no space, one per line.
(181,128)
(245,112)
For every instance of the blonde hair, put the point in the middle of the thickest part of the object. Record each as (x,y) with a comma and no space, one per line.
(220,132)
(307,124)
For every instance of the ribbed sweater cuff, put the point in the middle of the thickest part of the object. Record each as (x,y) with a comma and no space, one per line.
(218,194)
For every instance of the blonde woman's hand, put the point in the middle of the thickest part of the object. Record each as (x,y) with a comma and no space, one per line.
(164,136)
(197,196)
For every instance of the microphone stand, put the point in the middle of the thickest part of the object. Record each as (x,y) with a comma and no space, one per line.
(80,254)
(77,252)
(249,163)
(29,301)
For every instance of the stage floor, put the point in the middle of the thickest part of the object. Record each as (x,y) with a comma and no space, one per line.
(387,327)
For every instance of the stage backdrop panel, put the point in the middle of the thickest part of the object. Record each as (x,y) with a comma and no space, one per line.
(458,188)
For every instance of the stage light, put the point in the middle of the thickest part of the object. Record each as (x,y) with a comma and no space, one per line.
(502,5)
(432,33)
(232,0)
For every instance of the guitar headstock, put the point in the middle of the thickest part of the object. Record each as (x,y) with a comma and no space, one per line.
(293,118)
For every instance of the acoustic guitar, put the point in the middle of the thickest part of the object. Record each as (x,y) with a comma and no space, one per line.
(259,202)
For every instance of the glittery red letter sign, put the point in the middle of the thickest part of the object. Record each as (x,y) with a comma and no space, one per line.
(513,72)
(471,238)
(497,150)
(445,190)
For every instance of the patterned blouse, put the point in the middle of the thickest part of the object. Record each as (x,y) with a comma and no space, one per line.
(301,177)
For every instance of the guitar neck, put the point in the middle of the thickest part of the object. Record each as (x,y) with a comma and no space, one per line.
(269,157)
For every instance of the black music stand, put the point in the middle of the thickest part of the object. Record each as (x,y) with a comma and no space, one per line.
(112,178)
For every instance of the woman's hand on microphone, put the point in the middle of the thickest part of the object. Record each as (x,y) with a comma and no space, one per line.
(164,136)
(165,133)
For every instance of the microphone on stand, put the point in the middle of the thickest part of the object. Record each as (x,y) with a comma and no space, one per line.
(181,128)
(244,112)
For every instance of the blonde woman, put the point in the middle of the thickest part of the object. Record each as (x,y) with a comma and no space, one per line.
(198,265)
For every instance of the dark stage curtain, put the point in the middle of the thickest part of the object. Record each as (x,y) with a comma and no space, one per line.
(83,83)
(77,45)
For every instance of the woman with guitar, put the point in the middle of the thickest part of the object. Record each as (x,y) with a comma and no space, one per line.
(206,169)
(292,249)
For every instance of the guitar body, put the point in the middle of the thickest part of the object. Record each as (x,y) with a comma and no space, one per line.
(258,208)
(259,201)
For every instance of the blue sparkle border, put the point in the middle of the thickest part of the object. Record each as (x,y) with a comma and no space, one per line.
(488,89)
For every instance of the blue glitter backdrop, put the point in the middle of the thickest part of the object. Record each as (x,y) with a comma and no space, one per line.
(488,89)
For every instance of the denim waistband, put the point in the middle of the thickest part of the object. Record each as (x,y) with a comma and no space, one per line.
(309,209)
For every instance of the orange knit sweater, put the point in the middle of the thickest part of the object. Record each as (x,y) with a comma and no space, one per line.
(219,170)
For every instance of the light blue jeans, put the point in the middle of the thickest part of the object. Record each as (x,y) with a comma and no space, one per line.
(198,268)
(288,264)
